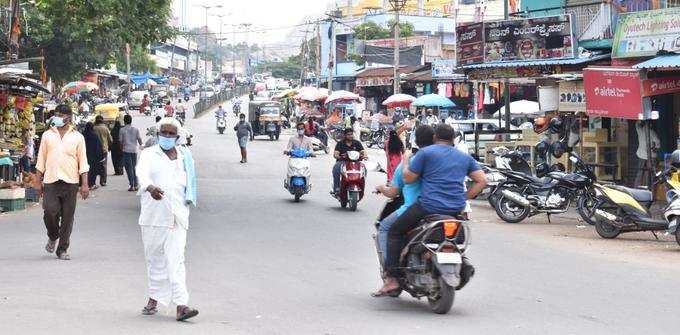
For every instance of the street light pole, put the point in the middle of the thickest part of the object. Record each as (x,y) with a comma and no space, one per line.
(397,5)
(205,41)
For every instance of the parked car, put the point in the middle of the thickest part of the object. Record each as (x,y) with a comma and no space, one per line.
(136,97)
(207,91)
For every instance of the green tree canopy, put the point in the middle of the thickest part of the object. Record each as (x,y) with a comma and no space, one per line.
(372,31)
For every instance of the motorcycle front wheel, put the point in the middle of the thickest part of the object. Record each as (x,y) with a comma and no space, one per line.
(508,210)
(442,303)
(585,207)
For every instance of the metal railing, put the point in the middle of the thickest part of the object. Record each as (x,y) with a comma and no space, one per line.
(592,20)
(205,104)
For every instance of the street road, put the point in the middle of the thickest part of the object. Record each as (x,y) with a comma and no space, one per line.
(258,263)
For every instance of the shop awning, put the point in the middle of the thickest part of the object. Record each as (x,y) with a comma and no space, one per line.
(665,61)
(538,62)
(384,71)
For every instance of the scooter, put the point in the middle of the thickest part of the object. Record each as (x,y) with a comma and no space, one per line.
(221,124)
(622,209)
(433,260)
(317,145)
(297,180)
(352,181)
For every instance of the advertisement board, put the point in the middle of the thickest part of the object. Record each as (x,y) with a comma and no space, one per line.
(662,85)
(470,44)
(613,92)
(529,39)
(643,34)
(572,96)
(374,81)
(444,68)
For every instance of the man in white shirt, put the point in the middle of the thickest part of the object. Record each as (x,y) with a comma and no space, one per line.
(167,187)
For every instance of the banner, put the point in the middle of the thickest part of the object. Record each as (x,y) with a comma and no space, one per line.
(572,96)
(658,86)
(374,81)
(470,44)
(613,92)
(445,68)
(643,34)
(529,39)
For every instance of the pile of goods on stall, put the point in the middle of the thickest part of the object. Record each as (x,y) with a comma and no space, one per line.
(17,121)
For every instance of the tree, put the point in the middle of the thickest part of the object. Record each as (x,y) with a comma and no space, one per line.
(75,35)
(372,31)
(140,61)
(288,69)
(406,29)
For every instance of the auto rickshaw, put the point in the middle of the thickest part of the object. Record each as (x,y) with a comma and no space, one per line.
(265,118)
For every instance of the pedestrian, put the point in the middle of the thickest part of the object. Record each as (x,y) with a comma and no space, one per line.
(167,182)
(116,150)
(130,140)
(26,160)
(169,109)
(106,140)
(394,149)
(61,165)
(243,132)
(94,153)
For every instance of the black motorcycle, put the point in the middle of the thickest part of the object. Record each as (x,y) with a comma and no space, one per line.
(522,195)
(377,138)
(433,260)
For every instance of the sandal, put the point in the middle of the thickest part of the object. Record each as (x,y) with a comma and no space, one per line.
(148,310)
(381,294)
(186,313)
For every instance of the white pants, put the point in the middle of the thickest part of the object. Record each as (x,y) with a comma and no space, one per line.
(164,252)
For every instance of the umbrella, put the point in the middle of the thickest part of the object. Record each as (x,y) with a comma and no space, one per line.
(151,82)
(174,81)
(285,93)
(312,94)
(433,100)
(521,108)
(78,87)
(342,95)
(398,100)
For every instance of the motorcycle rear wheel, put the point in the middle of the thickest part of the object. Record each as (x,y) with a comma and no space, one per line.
(443,303)
(297,197)
(503,203)
(221,131)
(353,199)
(604,228)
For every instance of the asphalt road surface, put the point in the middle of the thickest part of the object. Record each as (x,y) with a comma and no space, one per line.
(258,263)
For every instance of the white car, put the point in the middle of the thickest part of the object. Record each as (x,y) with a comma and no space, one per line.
(136,97)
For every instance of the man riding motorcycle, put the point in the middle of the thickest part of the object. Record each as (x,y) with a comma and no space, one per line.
(347,144)
(441,169)
(313,129)
(300,141)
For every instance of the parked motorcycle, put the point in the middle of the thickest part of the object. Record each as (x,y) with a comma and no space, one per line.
(221,124)
(377,138)
(352,180)
(523,195)
(622,209)
(299,172)
(433,260)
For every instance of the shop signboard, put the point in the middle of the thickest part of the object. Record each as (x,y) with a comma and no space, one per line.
(513,72)
(444,68)
(547,37)
(572,96)
(470,44)
(645,33)
(659,86)
(613,92)
(374,81)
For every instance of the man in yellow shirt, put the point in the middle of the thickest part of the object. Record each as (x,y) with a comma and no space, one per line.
(62,164)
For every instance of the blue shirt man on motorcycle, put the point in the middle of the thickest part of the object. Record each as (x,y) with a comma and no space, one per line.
(441,169)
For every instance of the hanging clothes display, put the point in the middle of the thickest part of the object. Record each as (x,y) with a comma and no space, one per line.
(441,89)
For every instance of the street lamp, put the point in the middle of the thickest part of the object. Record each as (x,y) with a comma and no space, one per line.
(397,5)
(205,40)
(220,38)
(247,26)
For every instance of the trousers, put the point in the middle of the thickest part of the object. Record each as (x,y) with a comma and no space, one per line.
(164,253)
(397,234)
(336,176)
(130,162)
(59,206)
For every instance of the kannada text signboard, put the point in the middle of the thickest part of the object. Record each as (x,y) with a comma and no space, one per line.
(470,44)
(644,34)
(613,92)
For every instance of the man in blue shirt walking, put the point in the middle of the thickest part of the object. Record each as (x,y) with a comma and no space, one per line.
(441,170)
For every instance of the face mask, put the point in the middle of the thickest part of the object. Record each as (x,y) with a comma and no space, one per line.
(242,120)
(166,143)
(301,132)
(58,121)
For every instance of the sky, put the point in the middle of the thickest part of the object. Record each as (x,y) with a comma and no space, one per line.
(273,18)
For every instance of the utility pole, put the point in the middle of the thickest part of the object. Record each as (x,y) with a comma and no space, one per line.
(318,53)
(205,41)
(331,62)
(220,40)
(233,50)
(247,63)
(303,59)
(397,5)
(506,87)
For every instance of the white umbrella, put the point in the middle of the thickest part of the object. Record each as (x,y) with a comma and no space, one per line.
(521,108)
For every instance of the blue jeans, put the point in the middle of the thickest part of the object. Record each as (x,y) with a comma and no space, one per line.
(383,229)
(336,176)
(130,162)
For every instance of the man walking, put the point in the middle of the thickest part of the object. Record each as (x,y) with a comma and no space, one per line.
(167,187)
(62,163)
(243,132)
(130,140)
(105,138)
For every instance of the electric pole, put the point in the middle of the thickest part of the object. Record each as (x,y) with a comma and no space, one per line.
(397,5)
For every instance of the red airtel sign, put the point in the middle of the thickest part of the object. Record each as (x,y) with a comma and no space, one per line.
(613,92)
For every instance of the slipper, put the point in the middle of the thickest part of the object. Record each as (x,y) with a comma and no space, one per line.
(187,313)
(380,294)
(149,310)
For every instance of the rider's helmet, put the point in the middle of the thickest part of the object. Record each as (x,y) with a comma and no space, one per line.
(542,148)
(675,159)
(558,149)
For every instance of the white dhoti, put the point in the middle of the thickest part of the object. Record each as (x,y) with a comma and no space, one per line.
(164,252)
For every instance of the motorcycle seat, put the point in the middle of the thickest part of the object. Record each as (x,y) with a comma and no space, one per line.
(637,193)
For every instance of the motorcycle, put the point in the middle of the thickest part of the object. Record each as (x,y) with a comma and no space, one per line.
(297,180)
(187,96)
(523,195)
(352,181)
(236,107)
(622,209)
(221,124)
(433,260)
(377,138)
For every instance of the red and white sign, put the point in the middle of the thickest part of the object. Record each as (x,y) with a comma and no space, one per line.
(374,81)
(658,86)
(613,92)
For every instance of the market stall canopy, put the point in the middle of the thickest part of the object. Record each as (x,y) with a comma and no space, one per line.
(399,100)
(78,87)
(140,79)
(19,84)
(308,93)
(342,96)
(664,61)
(260,87)
(521,108)
(285,93)
(433,100)
(174,81)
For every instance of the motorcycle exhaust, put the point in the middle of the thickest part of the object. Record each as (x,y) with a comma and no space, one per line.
(516,198)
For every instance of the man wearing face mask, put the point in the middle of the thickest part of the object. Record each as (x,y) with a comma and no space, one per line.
(62,164)
(167,186)
(243,132)
(300,141)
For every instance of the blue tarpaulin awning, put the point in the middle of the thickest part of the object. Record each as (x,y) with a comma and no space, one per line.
(665,61)
(537,62)
(140,79)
